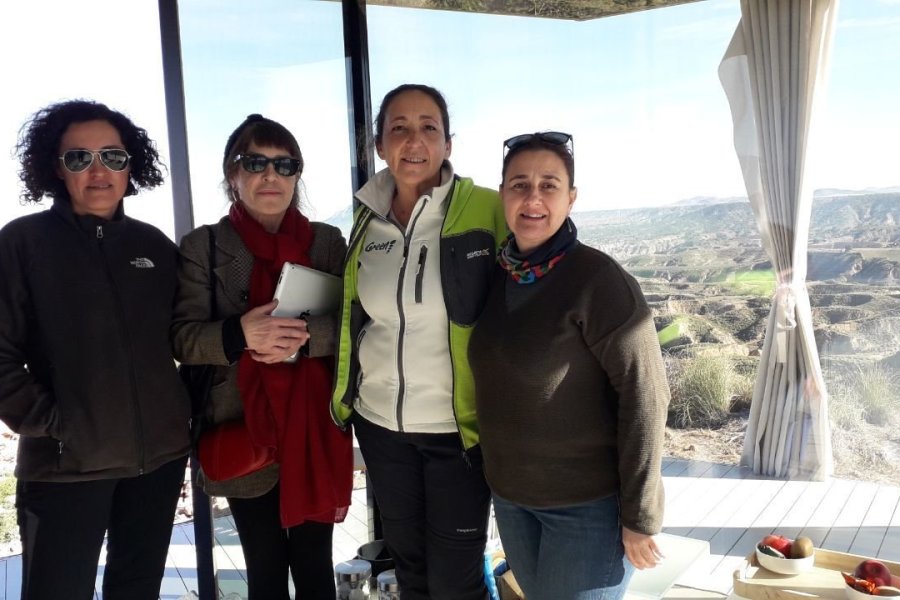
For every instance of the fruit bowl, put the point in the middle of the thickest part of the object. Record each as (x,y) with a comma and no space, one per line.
(854,594)
(870,578)
(787,566)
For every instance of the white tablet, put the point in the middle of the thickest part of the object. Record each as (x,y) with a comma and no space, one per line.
(303,291)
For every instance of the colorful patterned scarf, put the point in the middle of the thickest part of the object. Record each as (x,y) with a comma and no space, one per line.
(530,268)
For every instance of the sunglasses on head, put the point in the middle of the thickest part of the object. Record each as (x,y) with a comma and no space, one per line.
(257,163)
(79,159)
(556,138)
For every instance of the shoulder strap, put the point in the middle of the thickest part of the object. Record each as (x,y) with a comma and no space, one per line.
(212,272)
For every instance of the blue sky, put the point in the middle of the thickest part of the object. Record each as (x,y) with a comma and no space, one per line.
(639,92)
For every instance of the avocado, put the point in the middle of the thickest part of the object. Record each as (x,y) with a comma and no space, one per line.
(802,547)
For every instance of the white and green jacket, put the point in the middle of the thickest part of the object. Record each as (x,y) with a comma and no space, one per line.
(411,298)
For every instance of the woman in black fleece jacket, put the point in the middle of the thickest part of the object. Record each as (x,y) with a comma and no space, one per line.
(87,378)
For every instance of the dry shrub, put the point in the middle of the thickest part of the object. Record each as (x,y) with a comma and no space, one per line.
(858,456)
(878,388)
(869,393)
(864,409)
(845,413)
(704,389)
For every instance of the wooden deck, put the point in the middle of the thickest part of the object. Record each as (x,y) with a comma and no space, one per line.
(723,504)
(733,509)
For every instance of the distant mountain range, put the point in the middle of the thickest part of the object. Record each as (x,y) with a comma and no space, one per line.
(343,219)
(857,217)
(818,194)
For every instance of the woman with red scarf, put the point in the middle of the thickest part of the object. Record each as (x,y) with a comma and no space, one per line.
(274,373)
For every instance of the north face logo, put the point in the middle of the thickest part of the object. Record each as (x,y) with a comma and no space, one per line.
(142,263)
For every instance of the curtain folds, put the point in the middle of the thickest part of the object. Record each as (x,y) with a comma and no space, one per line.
(773,73)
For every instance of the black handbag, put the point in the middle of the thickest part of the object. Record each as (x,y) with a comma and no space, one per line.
(198,379)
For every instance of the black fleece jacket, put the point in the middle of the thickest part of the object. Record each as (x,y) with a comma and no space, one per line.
(86,372)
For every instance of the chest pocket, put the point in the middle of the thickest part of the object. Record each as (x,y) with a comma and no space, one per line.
(468,260)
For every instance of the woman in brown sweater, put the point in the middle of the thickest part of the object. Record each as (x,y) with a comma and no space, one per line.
(572,431)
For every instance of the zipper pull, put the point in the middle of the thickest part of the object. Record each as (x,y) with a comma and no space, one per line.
(420,273)
(405,254)
(422,254)
(60,447)
(99,232)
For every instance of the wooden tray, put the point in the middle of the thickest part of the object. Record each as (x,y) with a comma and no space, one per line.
(824,580)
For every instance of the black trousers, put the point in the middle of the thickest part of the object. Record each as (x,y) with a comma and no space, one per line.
(62,527)
(434,505)
(271,551)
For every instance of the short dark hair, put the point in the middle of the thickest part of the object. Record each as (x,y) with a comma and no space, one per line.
(536,144)
(257,129)
(412,87)
(40,136)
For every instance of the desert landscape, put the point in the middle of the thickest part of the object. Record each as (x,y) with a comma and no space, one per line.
(704,273)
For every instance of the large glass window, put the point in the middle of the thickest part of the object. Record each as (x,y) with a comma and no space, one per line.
(57,51)
(284,61)
(854,245)
(639,92)
(659,186)
(54,51)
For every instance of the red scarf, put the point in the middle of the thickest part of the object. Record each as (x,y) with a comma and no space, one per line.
(286,406)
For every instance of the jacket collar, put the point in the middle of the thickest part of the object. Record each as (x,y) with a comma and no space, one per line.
(91,225)
(378,192)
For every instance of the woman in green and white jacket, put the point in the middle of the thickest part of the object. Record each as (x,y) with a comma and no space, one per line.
(422,249)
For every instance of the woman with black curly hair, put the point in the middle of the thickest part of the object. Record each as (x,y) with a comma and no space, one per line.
(87,378)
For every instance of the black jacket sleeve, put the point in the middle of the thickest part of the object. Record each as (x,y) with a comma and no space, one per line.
(27,405)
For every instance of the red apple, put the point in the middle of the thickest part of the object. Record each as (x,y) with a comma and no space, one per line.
(779,542)
(874,571)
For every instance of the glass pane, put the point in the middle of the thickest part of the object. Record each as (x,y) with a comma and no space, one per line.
(61,50)
(854,242)
(655,168)
(282,60)
(659,187)
(639,93)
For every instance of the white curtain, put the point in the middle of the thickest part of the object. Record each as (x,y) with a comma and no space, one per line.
(773,72)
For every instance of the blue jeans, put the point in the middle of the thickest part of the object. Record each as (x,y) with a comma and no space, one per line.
(565,553)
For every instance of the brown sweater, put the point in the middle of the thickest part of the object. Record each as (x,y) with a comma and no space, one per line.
(571,390)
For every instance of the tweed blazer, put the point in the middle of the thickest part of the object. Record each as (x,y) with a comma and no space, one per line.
(197,340)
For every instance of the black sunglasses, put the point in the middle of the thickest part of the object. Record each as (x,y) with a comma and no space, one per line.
(556,138)
(257,163)
(79,159)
